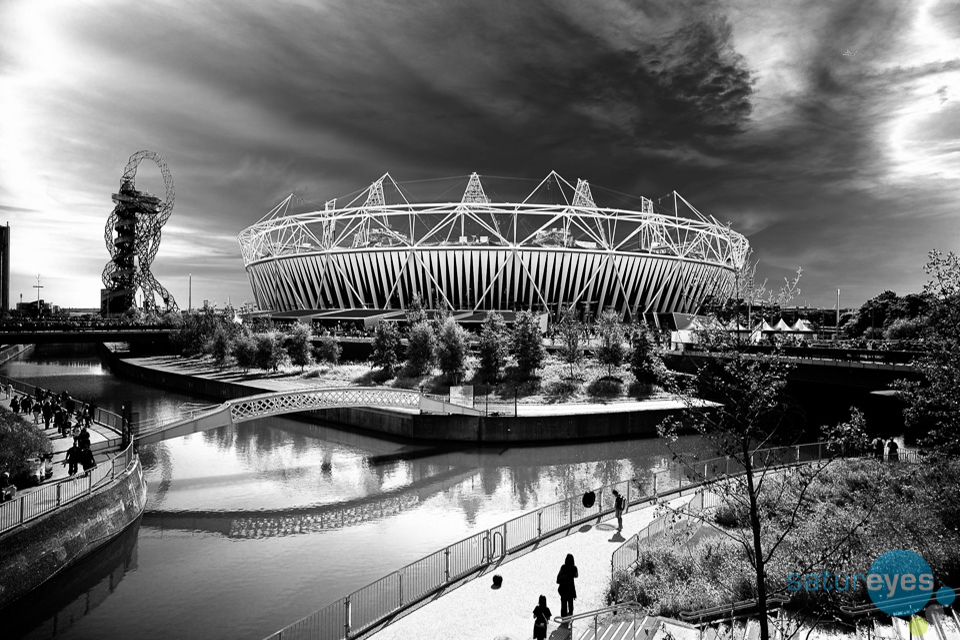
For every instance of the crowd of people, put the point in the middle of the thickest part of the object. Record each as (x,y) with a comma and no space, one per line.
(71,419)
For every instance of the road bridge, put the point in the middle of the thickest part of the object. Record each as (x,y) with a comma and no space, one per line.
(284,402)
(66,335)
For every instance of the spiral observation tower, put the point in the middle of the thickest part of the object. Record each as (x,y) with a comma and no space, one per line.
(551,250)
(132,236)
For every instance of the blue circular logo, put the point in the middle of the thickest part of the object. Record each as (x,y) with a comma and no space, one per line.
(900,582)
(946,596)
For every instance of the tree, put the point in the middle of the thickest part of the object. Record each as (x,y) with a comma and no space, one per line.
(328,350)
(493,347)
(386,347)
(221,346)
(528,346)
(611,351)
(571,333)
(297,343)
(245,351)
(415,313)
(270,351)
(645,363)
(452,350)
(737,404)
(933,407)
(421,348)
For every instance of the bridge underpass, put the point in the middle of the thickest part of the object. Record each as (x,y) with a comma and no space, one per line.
(285,402)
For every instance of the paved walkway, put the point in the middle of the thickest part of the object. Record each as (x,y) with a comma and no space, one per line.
(98,434)
(475,611)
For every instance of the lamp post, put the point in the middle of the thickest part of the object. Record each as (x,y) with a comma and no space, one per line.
(190,292)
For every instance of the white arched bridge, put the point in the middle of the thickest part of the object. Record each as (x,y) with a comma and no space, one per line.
(283,402)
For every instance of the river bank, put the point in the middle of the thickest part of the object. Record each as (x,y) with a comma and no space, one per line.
(529,422)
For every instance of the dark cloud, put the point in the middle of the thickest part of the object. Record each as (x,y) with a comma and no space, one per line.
(748,108)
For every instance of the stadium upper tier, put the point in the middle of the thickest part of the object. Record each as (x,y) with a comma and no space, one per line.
(481,255)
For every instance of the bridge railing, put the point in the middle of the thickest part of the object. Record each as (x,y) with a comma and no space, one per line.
(186,411)
(50,497)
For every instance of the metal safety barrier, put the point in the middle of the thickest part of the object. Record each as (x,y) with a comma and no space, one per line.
(50,497)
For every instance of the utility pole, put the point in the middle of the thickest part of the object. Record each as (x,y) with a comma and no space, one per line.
(190,292)
(836,334)
(38,286)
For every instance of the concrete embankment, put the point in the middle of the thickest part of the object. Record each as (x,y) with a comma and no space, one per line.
(38,550)
(550,423)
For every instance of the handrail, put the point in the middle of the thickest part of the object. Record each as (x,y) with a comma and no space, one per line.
(596,612)
(52,496)
(732,608)
(353,614)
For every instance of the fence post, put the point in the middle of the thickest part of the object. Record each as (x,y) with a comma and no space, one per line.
(446,562)
(400,590)
(89,482)
(570,512)
(346,618)
(59,486)
(22,508)
(728,466)
(539,523)
(655,484)
(798,454)
(820,451)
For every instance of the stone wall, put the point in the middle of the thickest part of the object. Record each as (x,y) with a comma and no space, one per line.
(38,550)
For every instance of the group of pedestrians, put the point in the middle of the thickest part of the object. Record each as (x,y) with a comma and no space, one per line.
(567,589)
(68,416)
(892,448)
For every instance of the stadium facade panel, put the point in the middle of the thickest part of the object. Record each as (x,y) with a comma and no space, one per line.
(481,255)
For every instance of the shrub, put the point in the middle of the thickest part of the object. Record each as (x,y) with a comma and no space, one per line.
(904,329)
(19,441)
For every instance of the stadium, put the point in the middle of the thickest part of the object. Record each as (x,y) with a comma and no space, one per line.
(550,250)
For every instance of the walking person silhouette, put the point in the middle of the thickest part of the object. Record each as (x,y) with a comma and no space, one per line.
(567,589)
(541,614)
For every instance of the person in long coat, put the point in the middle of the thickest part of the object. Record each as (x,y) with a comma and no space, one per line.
(568,588)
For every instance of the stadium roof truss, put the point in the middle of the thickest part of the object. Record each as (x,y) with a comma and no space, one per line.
(476,224)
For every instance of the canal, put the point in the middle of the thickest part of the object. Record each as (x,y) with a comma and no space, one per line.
(249,528)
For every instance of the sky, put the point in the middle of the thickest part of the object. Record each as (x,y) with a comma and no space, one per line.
(827,132)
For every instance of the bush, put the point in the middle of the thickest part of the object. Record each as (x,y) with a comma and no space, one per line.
(605,387)
(328,350)
(19,441)
(904,329)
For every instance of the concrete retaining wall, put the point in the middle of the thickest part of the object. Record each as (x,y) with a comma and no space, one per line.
(37,551)
(423,427)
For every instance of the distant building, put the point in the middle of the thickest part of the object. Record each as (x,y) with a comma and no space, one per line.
(38,309)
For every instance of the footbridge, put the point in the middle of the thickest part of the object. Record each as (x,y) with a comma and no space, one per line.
(284,402)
